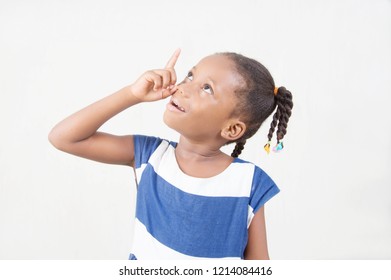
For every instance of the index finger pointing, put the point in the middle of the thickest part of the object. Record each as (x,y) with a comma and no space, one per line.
(171,63)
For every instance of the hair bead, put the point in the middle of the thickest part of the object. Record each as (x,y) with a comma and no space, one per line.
(267,147)
(278,147)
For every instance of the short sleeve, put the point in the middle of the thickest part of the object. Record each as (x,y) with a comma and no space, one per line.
(263,189)
(144,146)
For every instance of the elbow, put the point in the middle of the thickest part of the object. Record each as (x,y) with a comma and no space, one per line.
(54,138)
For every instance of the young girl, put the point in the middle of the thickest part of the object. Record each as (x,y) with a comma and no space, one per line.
(193,200)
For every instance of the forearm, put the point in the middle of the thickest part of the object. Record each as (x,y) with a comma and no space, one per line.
(84,123)
(77,134)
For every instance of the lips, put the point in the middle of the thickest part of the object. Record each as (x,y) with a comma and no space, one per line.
(174,104)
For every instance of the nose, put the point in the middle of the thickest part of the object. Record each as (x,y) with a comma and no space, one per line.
(180,89)
(185,89)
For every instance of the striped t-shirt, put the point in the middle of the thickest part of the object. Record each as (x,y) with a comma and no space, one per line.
(184,217)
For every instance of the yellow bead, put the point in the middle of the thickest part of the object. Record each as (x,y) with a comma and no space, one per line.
(267,148)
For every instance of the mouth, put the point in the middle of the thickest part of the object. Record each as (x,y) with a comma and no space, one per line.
(175,105)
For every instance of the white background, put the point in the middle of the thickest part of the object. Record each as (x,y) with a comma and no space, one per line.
(334,174)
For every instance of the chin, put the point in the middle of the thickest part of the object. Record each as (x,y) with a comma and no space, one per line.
(167,120)
(173,123)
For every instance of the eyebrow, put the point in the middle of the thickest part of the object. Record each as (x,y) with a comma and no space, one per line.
(208,77)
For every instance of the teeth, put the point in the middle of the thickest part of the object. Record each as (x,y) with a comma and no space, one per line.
(176,105)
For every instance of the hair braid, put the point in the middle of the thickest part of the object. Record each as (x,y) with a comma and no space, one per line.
(276,118)
(238,149)
(284,111)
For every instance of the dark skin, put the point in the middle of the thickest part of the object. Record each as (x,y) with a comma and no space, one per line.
(204,120)
(201,109)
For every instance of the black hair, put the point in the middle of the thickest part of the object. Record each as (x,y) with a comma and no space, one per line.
(257,100)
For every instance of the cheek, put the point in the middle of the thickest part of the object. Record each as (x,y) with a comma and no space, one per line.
(204,113)
(212,118)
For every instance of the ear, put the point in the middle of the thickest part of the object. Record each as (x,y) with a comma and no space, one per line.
(233,130)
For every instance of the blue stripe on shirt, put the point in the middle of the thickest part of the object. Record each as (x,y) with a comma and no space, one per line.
(191,224)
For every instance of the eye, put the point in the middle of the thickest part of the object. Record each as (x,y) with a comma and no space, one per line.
(189,76)
(207,88)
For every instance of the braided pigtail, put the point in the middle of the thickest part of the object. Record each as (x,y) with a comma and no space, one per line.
(238,148)
(280,118)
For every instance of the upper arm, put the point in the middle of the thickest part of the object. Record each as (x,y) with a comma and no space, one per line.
(257,242)
(103,147)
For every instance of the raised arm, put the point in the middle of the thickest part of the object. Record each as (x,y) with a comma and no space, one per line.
(78,134)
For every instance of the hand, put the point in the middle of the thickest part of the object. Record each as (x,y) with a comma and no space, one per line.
(157,84)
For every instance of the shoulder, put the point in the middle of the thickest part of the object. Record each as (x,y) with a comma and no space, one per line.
(263,187)
(259,175)
(145,146)
(151,140)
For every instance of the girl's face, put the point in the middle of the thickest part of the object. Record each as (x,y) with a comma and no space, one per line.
(205,101)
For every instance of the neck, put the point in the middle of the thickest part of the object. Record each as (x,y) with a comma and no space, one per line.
(201,160)
(196,151)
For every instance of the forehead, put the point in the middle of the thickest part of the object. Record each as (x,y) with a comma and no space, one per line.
(221,70)
(216,60)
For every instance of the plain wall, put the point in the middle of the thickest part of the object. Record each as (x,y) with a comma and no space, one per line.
(334,173)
